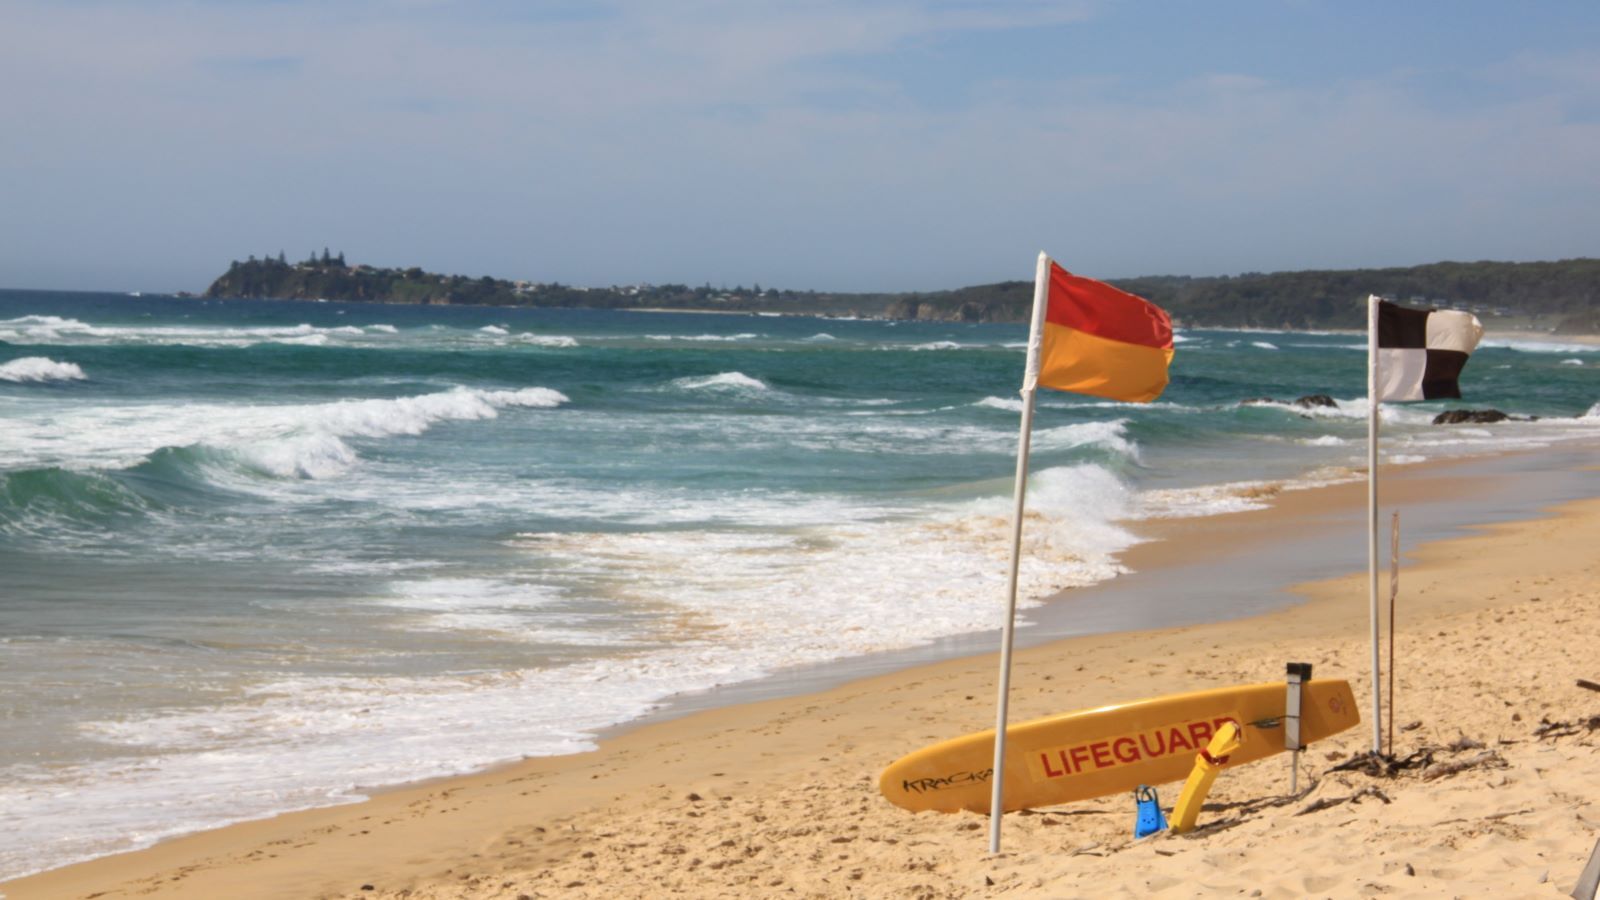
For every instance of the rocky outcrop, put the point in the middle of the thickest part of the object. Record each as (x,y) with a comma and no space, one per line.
(1472,417)
(1309,401)
(1313,400)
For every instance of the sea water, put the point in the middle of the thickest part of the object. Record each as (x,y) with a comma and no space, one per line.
(261,556)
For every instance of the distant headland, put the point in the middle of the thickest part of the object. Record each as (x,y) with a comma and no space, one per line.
(1561,296)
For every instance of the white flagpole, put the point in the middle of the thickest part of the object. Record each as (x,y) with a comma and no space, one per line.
(1030,383)
(1372,512)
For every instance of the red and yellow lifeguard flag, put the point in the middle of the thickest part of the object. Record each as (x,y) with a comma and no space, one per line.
(1101,341)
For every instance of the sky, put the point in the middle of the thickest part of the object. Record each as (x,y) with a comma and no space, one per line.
(827,145)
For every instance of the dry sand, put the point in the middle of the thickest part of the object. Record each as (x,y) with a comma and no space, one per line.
(778,798)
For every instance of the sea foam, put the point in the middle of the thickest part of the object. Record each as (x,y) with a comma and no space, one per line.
(40,368)
(559,341)
(722,381)
(752,597)
(295,440)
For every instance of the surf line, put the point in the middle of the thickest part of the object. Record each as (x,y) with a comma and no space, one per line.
(1127,749)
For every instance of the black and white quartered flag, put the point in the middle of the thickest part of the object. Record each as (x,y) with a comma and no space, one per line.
(1412,354)
(1421,352)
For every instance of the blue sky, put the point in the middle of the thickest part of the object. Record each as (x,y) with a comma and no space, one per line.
(831,145)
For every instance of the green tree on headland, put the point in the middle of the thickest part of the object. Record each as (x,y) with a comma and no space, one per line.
(1563,294)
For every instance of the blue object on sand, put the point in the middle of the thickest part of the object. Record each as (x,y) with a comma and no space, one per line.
(1149,819)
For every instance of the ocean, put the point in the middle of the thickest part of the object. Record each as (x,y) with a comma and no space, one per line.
(260,556)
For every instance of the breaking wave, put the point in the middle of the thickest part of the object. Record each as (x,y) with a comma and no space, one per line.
(725,381)
(40,368)
(289,441)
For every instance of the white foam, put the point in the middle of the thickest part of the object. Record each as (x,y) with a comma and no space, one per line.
(302,456)
(455,594)
(1326,440)
(931,345)
(1009,404)
(56,330)
(1108,435)
(908,580)
(713,338)
(511,609)
(741,604)
(722,381)
(1352,409)
(305,742)
(40,368)
(1231,497)
(911,432)
(1205,500)
(529,398)
(821,336)
(547,340)
(1058,401)
(25,326)
(1572,362)
(288,440)
(1539,345)
(1264,345)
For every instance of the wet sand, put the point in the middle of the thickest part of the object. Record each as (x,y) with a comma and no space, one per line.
(778,796)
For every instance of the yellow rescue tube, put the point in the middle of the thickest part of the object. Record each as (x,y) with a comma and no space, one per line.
(1207,764)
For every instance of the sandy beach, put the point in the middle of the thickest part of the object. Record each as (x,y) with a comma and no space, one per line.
(683,430)
(779,798)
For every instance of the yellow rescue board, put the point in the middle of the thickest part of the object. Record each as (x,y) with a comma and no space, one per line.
(1094,752)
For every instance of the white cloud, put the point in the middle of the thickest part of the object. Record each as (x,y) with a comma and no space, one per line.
(736,140)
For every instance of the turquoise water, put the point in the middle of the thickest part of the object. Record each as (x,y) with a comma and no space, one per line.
(256,556)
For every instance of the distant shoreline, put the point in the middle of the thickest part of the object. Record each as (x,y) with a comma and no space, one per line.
(1555,294)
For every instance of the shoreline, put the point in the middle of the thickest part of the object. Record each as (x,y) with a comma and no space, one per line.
(242,850)
(1169,559)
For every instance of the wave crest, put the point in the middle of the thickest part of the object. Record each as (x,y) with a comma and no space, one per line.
(289,441)
(723,381)
(1112,436)
(1009,404)
(40,368)
(546,340)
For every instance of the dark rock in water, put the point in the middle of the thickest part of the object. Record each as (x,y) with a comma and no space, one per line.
(1311,400)
(1306,402)
(1470,417)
